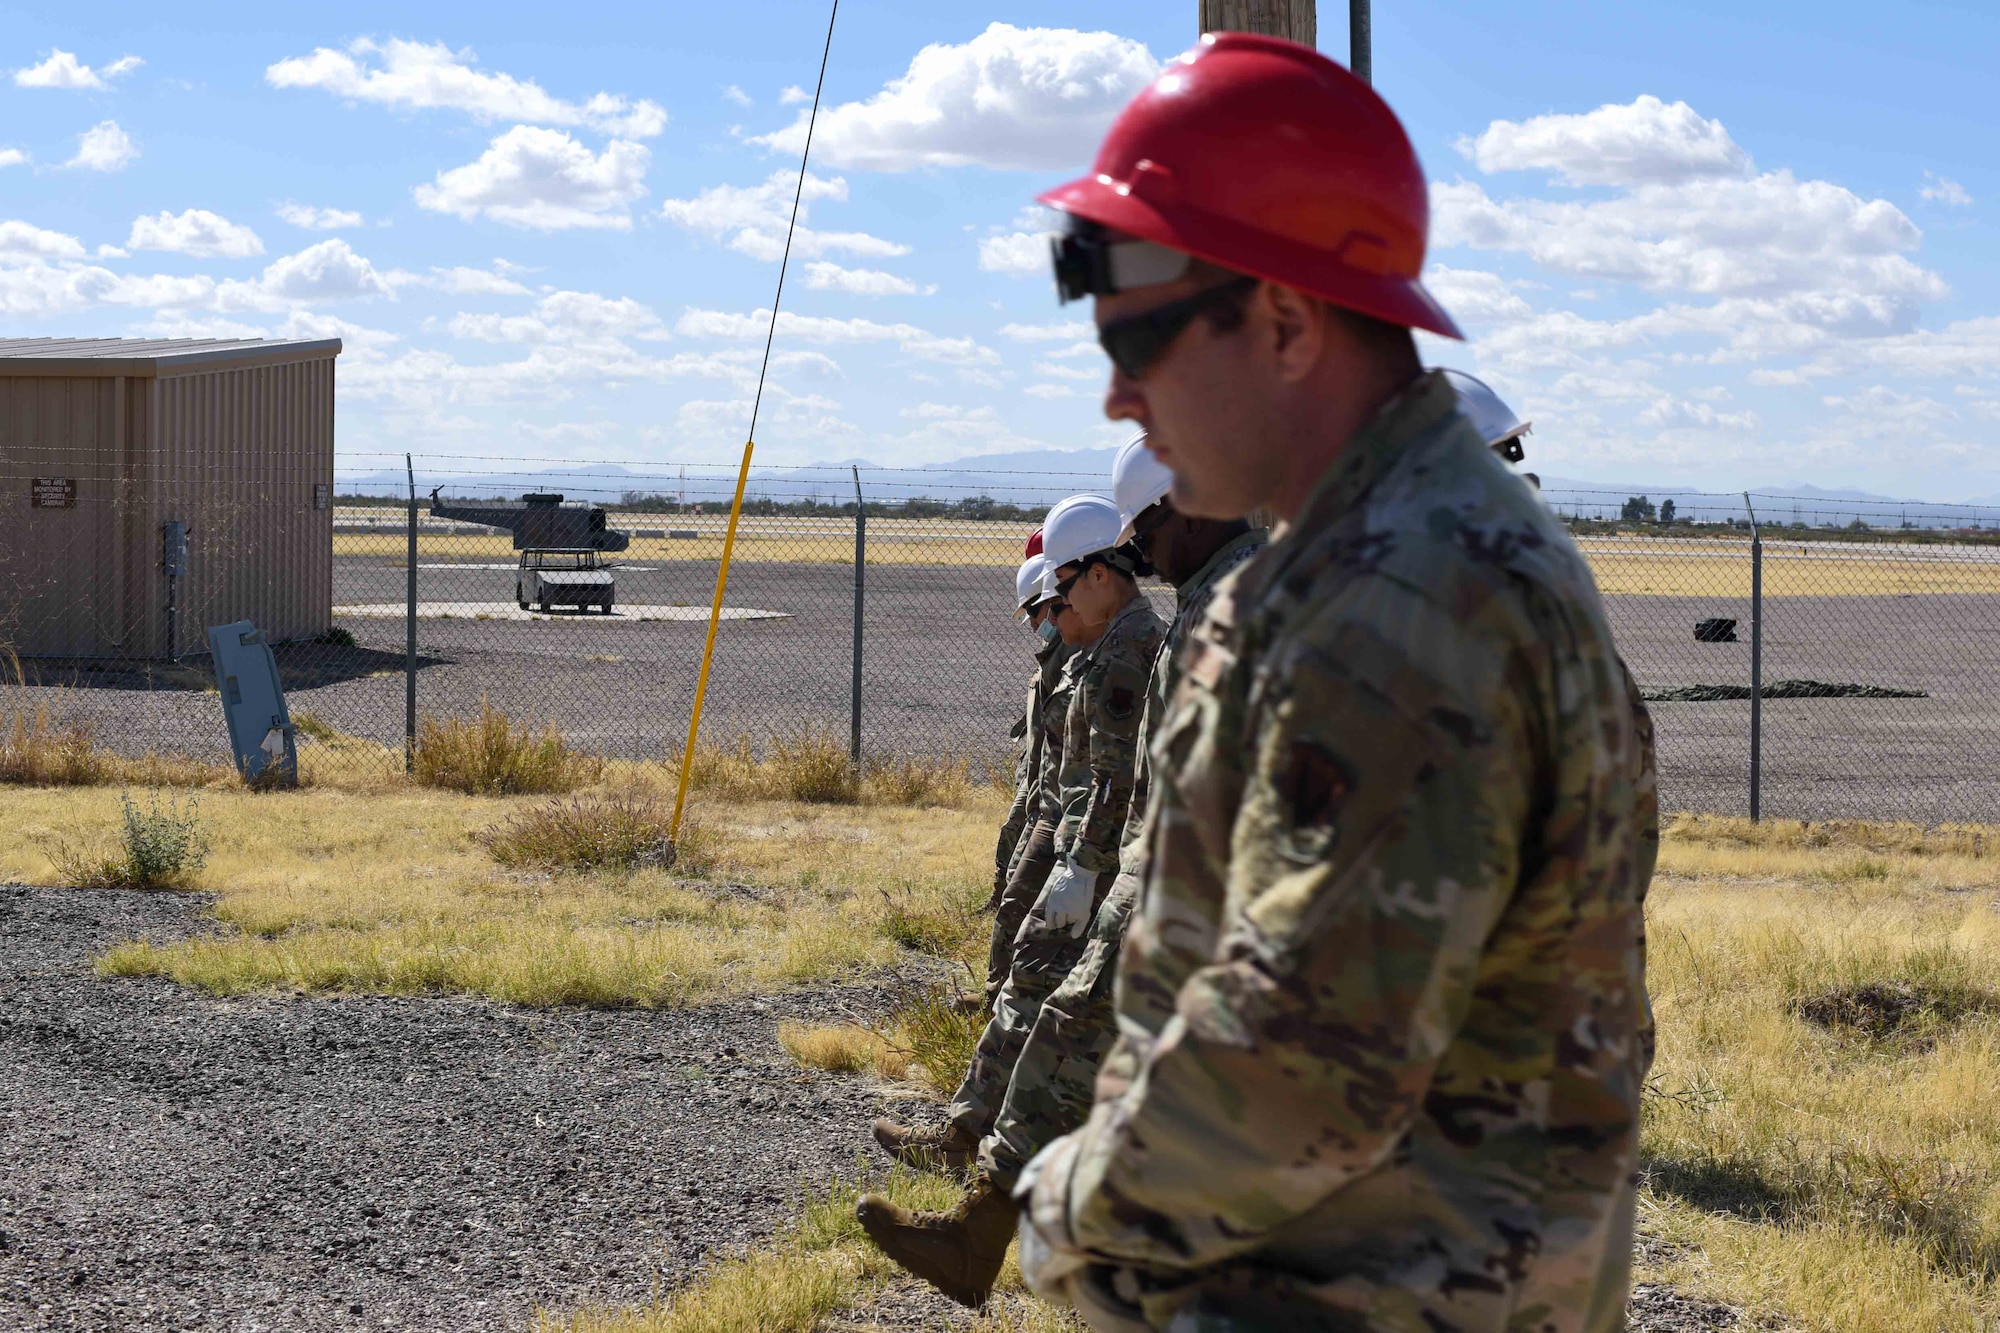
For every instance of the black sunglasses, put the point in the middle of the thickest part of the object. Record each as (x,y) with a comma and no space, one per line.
(1151,519)
(1135,343)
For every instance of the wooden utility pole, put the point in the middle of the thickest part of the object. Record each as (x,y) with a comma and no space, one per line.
(1296,20)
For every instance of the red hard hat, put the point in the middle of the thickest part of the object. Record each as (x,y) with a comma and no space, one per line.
(1034,544)
(1265,157)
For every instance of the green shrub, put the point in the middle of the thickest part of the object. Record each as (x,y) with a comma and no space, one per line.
(162,847)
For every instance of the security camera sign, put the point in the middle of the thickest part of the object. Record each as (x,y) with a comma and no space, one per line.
(52,492)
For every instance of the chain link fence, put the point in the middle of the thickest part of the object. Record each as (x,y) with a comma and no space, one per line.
(1873,642)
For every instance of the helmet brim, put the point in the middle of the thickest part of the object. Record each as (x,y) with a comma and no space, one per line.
(1223,241)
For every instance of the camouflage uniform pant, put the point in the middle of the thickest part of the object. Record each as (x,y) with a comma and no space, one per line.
(1042,961)
(1034,857)
(1055,1076)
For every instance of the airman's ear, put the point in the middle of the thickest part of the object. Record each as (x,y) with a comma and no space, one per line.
(1296,328)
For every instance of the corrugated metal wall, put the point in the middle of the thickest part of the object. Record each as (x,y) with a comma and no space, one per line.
(235,454)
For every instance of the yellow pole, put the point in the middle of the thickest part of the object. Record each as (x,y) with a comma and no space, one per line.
(708,652)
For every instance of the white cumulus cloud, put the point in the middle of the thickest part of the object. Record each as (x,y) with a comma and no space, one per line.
(793,95)
(63,70)
(1017,98)
(1940,190)
(1843,259)
(104,147)
(312,218)
(544,180)
(329,271)
(1019,253)
(25,240)
(752,219)
(428,75)
(824,276)
(195,232)
(1474,295)
(12,157)
(920,343)
(464,281)
(571,317)
(1645,141)
(1061,331)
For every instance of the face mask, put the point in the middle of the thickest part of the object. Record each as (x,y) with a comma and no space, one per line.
(1048,632)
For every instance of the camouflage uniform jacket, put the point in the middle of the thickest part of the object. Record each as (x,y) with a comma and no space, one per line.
(1190,603)
(1030,732)
(1382,1010)
(1101,736)
(1045,801)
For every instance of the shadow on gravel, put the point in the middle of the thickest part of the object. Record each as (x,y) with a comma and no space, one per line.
(302,666)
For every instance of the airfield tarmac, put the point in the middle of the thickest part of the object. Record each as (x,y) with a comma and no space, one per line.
(945,667)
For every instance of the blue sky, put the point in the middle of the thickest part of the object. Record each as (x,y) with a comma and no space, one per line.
(1709,244)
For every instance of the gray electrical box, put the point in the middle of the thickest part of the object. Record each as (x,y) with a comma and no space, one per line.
(253,701)
(174,548)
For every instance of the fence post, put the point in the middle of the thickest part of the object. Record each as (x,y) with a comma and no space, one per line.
(1756,663)
(860,565)
(410,633)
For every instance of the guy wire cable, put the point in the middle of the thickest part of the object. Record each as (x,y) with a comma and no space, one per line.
(749,446)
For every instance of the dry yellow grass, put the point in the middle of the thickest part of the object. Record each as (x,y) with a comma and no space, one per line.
(820,1266)
(1833,1174)
(827,541)
(844,1048)
(1622,564)
(387,890)
(1836,1175)
(1826,569)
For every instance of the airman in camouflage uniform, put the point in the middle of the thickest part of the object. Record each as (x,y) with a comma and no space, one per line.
(1022,862)
(1088,772)
(1050,1091)
(960,1250)
(1382,1008)
(1099,753)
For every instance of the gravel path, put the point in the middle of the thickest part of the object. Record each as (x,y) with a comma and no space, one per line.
(174,1161)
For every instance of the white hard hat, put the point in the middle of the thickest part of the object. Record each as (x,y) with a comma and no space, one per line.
(1138,481)
(1028,581)
(1494,420)
(1080,526)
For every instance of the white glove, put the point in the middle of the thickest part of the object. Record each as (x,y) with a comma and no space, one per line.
(1066,899)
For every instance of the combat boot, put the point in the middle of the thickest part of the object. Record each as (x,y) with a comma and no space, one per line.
(959,1252)
(932,1148)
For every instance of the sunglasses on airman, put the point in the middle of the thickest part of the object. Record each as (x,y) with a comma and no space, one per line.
(1137,342)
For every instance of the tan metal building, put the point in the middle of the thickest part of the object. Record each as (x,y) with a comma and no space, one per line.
(107,443)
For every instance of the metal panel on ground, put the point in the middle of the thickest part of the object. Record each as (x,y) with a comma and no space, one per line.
(253,704)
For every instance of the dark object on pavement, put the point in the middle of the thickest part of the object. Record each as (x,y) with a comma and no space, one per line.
(1716,629)
(1780,689)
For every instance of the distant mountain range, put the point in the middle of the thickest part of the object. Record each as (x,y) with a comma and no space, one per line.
(1043,476)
